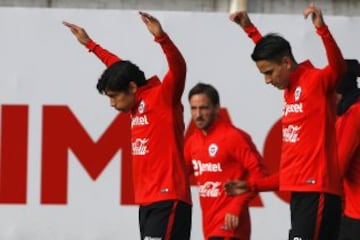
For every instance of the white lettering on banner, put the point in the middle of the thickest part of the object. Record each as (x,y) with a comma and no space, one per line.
(292,108)
(210,189)
(139,146)
(139,121)
(200,168)
(291,134)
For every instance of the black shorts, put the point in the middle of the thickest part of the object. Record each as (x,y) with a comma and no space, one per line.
(349,229)
(165,220)
(314,216)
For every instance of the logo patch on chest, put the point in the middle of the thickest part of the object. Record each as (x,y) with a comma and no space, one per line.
(297,93)
(213,149)
(141,107)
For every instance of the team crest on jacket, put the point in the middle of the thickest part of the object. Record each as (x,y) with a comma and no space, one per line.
(297,93)
(141,107)
(213,149)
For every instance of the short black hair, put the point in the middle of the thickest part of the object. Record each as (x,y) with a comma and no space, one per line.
(349,81)
(272,47)
(207,89)
(118,76)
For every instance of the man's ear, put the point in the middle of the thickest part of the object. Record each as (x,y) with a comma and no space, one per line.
(132,87)
(287,61)
(217,108)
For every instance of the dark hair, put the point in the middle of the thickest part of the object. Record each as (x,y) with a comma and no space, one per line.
(349,81)
(209,90)
(272,47)
(118,76)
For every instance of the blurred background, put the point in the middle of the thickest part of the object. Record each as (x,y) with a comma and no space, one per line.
(329,7)
(44,70)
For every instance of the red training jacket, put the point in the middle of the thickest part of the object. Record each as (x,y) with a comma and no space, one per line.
(309,151)
(157,130)
(348,135)
(224,153)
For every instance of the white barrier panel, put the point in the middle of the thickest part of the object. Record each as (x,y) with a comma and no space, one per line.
(50,103)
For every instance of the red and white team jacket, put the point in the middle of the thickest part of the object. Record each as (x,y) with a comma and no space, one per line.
(224,153)
(309,151)
(348,135)
(157,126)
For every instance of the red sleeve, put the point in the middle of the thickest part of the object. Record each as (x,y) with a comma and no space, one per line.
(174,81)
(336,63)
(269,183)
(187,157)
(348,136)
(253,33)
(252,163)
(104,55)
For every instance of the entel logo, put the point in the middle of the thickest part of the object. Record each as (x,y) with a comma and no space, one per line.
(139,121)
(292,108)
(60,136)
(200,168)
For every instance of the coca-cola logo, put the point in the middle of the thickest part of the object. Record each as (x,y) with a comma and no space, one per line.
(139,146)
(291,134)
(210,189)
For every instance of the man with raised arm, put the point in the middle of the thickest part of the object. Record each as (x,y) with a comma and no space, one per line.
(309,165)
(160,179)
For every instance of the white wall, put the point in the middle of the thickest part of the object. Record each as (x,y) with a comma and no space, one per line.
(42,64)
